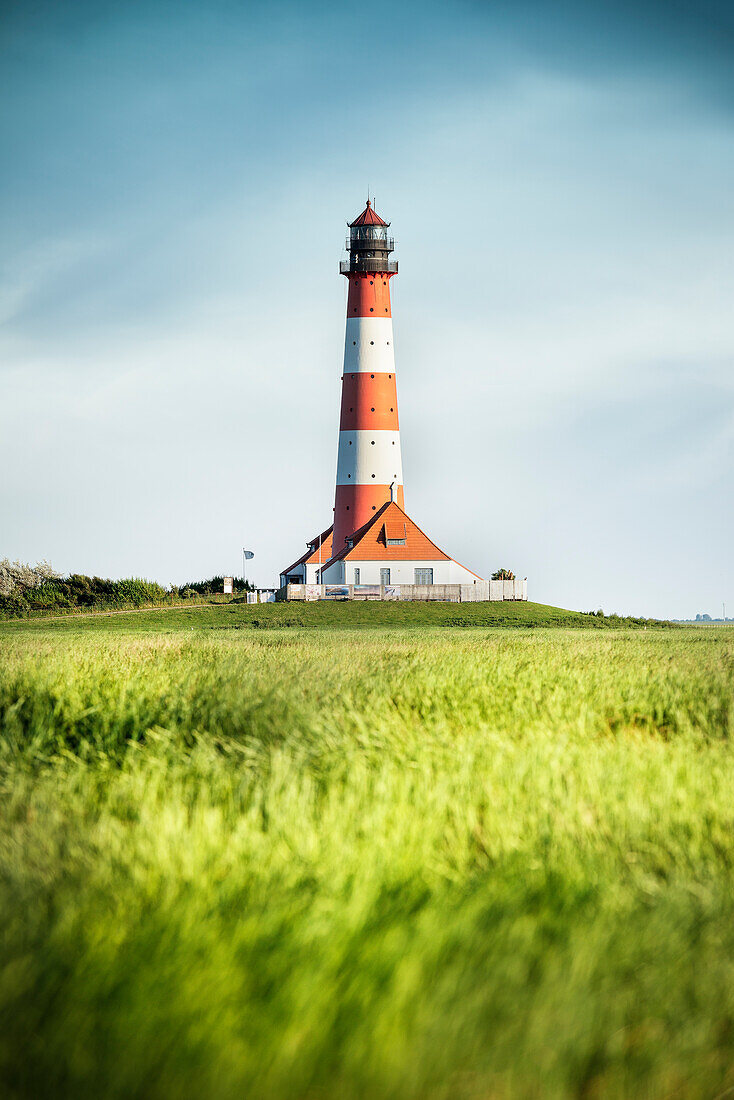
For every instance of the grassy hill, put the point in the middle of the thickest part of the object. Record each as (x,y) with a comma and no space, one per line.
(341,614)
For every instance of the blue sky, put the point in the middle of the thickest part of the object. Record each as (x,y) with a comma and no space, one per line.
(558,177)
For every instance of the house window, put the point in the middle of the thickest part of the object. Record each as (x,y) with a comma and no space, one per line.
(424,576)
(395,542)
(384,576)
(356,576)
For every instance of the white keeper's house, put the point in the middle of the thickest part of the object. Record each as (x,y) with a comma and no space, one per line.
(391,549)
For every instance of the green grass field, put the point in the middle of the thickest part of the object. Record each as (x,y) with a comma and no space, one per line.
(365,861)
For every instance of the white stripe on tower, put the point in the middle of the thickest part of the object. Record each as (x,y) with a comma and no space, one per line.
(369,456)
(368,345)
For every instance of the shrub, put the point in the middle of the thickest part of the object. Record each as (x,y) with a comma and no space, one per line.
(135,590)
(26,588)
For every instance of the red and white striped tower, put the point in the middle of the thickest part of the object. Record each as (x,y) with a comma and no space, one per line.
(369,468)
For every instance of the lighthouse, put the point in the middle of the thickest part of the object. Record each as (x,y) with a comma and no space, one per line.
(369,467)
(372,540)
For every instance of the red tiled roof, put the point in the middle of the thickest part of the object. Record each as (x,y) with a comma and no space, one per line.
(368,543)
(368,217)
(312,555)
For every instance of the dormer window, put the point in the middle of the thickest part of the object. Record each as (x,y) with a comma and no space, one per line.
(394,533)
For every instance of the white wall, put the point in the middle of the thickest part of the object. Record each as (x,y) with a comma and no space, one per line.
(335,574)
(461,575)
(297,572)
(307,574)
(401,572)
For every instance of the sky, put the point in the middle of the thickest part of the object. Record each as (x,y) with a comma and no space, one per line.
(174,191)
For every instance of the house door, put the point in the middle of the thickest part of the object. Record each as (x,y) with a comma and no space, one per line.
(424,576)
(384,576)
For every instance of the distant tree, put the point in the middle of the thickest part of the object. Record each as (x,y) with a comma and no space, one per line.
(503,575)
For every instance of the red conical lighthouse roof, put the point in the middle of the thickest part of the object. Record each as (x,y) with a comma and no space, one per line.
(368,217)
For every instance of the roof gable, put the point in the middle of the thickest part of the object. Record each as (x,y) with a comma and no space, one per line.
(315,553)
(369,543)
